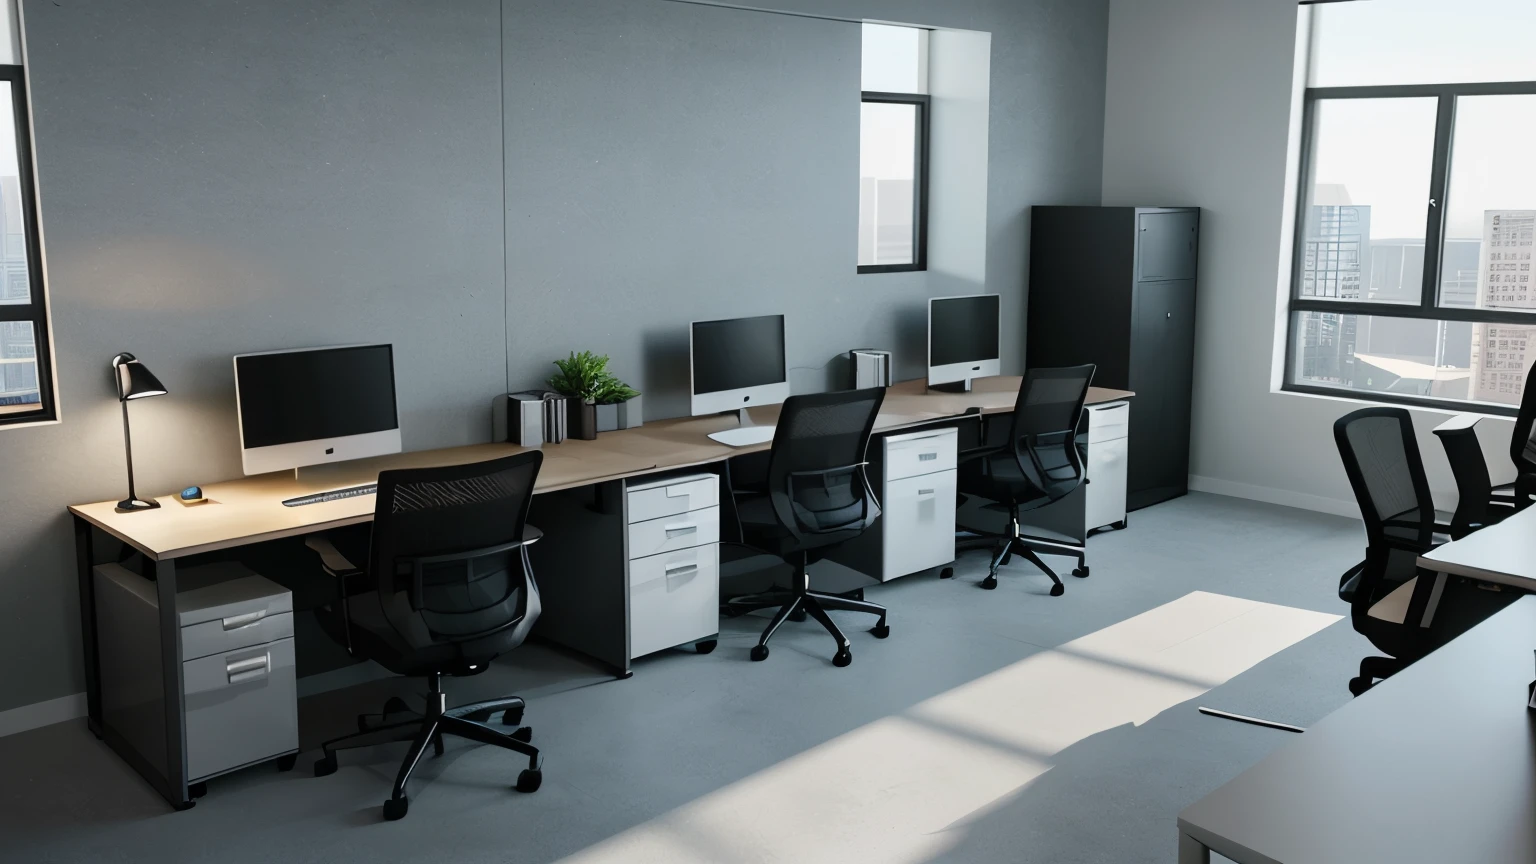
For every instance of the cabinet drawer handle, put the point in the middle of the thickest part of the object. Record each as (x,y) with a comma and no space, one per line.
(682,491)
(927,457)
(247,669)
(680,529)
(235,622)
(922,492)
(681,570)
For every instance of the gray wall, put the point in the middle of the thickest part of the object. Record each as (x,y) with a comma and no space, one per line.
(219,177)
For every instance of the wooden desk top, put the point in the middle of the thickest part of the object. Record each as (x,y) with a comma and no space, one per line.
(1435,764)
(1504,553)
(250,509)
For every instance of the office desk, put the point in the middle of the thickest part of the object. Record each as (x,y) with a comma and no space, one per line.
(1435,764)
(1503,553)
(250,510)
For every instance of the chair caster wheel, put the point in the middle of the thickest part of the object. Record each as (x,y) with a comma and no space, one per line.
(530,780)
(759,652)
(705,646)
(286,763)
(1081,572)
(857,594)
(989,583)
(1058,589)
(395,808)
(798,616)
(881,630)
(525,734)
(1120,526)
(325,765)
(197,790)
(512,717)
(1359,685)
(842,658)
(947,573)
(730,611)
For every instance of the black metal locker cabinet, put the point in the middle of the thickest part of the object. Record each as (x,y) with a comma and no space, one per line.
(1115,286)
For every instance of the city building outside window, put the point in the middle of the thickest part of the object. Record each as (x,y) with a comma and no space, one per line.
(26,380)
(893,145)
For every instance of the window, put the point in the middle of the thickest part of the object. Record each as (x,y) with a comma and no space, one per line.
(1416,227)
(26,390)
(893,146)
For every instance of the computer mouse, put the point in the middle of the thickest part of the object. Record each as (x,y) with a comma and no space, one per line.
(192,495)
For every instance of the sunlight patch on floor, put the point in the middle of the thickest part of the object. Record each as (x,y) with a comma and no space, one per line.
(900,789)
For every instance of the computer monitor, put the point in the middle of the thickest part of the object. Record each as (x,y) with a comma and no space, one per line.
(315,405)
(963,334)
(737,363)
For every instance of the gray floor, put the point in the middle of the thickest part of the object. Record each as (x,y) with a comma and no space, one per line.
(621,753)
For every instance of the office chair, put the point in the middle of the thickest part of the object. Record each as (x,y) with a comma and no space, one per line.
(1522,449)
(817,496)
(1038,463)
(1391,599)
(1478,502)
(446,588)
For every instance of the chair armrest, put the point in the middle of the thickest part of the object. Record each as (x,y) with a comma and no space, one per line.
(973,453)
(333,561)
(531,535)
(1458,422)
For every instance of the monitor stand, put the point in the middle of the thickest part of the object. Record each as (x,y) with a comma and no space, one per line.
(952,387)
(744,435)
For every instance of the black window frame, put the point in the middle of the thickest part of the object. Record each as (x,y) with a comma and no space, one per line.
(1434,241)
(36,311)
(920,174)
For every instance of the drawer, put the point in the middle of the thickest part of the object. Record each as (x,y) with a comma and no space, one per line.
(694,528)
(1108,422)
(256,627)
(674,598)
(1105,492)
(241,708)
(918,518)
(653,501)
(920,453)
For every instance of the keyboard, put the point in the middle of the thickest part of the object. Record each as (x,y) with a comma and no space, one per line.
(333,495)
(744,436)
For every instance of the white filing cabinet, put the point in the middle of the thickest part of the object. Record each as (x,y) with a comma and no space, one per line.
(916,528)
(674,562)
(1106,469)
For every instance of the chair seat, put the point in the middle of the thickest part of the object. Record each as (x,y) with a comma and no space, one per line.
(1003,482)
(1393,608)
(761,530)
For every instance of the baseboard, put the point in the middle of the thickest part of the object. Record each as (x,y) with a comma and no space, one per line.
(1270,495)
(42,714)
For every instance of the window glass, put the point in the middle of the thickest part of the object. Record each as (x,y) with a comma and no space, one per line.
(894,59)
(1422,42)
(18,368)
(1367,202)
(887,183)
(1490,220)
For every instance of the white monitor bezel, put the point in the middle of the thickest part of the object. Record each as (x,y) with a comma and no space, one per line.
(321,451)
(952,373)
(744,397)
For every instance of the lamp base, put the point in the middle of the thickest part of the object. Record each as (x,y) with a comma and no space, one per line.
(133,505)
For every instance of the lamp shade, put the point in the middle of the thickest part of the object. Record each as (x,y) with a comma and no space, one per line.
(134,380)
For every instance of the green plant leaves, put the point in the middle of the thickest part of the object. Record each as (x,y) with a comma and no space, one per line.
(585,376)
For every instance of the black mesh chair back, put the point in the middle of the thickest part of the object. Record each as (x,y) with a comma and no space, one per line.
(816,479)
(448,557)
(1475,507)
(1381,458)
(1044,432)
(1522,450)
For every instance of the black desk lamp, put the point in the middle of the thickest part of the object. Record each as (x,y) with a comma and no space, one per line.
(134,381)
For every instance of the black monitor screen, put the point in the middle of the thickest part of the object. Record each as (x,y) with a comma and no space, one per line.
(738,353)
(962,330)
(308,395)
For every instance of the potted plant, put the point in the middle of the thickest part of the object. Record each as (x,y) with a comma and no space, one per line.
(597,398)
(618,406)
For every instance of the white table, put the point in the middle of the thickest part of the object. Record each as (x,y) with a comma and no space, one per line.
(1504,553)
(1436,764)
